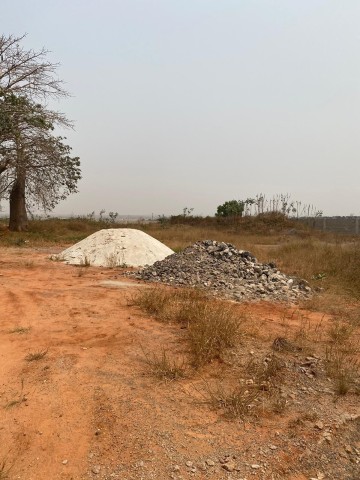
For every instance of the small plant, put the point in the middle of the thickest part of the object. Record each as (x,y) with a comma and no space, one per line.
(19,398)
(340,332)
(85,261)
(4,469)
(31,357)
(238,402)
(20,330)
(162,367)
(343,367)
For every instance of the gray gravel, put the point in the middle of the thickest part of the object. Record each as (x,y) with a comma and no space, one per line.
(226,272)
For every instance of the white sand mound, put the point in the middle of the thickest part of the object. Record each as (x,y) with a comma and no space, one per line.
(116,247)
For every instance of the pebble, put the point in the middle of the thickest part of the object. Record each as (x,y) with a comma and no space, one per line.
(65,462)
(210,462)
(96,469)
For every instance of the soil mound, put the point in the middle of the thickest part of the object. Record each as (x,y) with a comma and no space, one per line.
(225,271)
(116,247)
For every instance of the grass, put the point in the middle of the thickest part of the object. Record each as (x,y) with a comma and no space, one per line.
(238,402)
(4,470)
(31,357)
(20,330)
(164,368)
(19,398)
(211,325)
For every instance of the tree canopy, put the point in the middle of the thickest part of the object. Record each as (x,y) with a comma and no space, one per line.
(232,208)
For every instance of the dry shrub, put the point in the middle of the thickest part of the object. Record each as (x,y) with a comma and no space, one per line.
(212,325)
(238,402)
(343,367)
(165,368)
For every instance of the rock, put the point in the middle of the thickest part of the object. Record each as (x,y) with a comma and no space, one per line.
(224,271)
(189,464)
(96,469)
(229,466)
(65,462)
(319,425)
(209,462)
(255,466)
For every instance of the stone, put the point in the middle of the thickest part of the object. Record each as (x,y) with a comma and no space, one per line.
(96,469)
(229,466)
(225,272)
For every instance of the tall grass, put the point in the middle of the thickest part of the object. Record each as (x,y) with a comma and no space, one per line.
(331,266)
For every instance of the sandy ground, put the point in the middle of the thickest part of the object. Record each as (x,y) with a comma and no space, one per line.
(89,408)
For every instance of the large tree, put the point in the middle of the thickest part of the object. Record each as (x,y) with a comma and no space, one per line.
(35,165)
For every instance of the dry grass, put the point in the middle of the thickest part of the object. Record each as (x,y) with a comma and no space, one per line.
(20,330)
(4,469)
(31,357)
(163,367)
(333,267)
(211,325)
(235,403)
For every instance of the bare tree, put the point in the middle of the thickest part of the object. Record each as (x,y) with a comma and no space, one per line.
(27,72)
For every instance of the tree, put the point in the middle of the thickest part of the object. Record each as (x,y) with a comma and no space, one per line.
(35,165)
(39,170)
(27,72)
(232,208)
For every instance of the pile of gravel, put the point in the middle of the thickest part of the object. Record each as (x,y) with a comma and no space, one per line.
(225,271)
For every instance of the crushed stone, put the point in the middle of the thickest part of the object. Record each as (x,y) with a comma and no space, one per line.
(225,271)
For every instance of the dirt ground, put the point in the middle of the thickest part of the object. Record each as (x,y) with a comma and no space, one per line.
(90,409)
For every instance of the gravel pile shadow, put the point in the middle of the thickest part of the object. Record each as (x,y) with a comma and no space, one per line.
(226,272)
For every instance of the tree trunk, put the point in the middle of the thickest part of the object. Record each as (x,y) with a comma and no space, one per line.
(18,215)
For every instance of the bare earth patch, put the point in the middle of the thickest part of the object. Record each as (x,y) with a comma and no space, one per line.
(90,408)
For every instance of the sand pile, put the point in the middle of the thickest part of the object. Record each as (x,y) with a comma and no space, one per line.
(116,247)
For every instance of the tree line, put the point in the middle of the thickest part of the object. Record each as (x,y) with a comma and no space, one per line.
(36,166)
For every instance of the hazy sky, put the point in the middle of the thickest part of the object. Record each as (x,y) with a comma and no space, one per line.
(189,103)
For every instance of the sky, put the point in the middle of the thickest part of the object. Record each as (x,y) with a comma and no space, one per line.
(190,103)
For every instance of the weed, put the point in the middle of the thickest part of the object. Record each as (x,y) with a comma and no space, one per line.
(215,327)
(27,264)
(340,332)
(343,367)
(19,398)
(20,330)
(81,271)
(31,357)
(238,402)
(162,367)
(85,261)
(4,469)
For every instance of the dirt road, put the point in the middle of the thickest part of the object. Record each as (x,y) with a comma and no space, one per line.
(88,407)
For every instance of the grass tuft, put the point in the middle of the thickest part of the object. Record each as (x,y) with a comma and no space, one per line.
(31,357)
(164,368)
